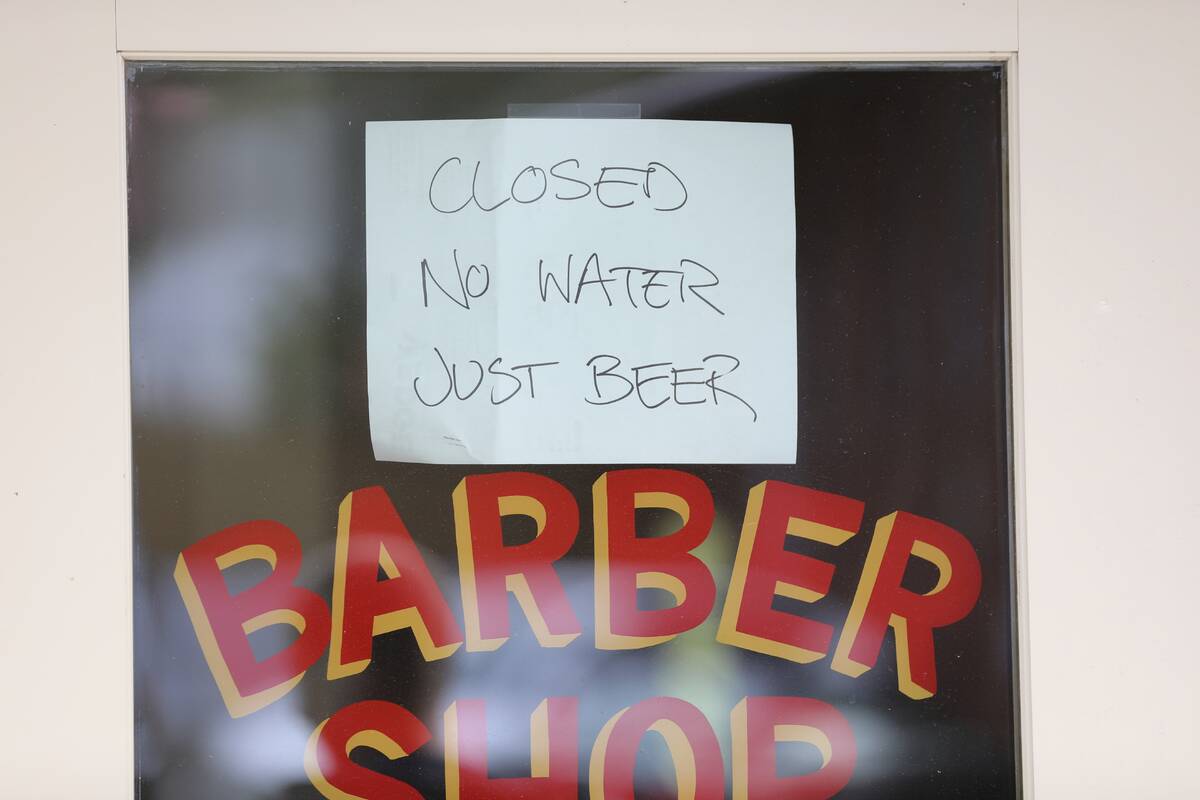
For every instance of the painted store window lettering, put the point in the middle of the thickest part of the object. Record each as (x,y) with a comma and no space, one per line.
(487,456)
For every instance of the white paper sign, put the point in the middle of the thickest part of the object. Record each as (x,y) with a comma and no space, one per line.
(581,291)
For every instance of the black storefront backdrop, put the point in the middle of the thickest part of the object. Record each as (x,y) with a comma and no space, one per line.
(249,397)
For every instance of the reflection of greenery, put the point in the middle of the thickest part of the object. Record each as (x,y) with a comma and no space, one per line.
(303,390)
(196,476)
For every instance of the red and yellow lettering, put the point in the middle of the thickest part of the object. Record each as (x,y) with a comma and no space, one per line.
(760,723)
(385,727)
(626,563)
(763,569)
(371,536)
(489,569)
(554,753)
(224,621)
(881,601)
(695,752)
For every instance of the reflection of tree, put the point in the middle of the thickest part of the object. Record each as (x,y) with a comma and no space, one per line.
(234,407)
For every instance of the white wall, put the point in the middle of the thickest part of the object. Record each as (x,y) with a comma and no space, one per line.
(1108,179)
(1110,120)
(66,661)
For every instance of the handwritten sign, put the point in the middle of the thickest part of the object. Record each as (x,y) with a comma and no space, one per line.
(557,291)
